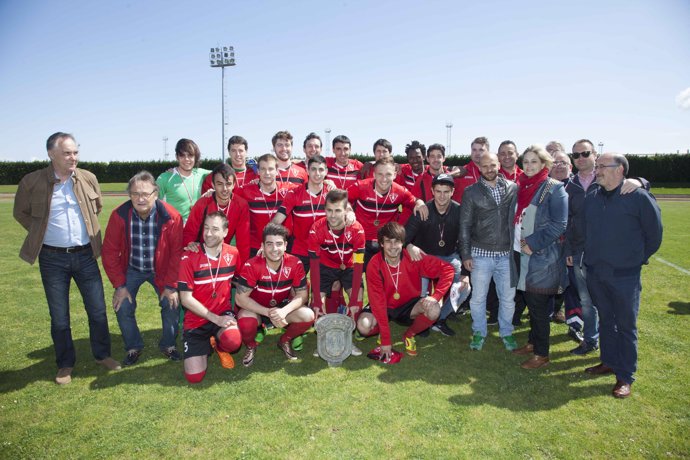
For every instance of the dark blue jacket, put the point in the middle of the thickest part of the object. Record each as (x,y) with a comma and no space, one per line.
(622,231)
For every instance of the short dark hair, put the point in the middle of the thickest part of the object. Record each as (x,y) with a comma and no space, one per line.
(267,157)
(508,142)
(481,140)
(238,140)
(225,171)
(188,146)
(392,231)
(273,229)
(336,196)
(53,140)
(414,145)
(582,141)
(316,159)
(341,139)
(284,135)
(384,161)
(222,216)
(385,143)
(437,147)
(309,137)
(142,176)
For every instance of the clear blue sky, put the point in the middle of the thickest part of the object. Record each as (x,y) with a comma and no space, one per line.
(121,75)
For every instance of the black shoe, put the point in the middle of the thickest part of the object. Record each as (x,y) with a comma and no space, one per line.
(576,335)
(443,328)
(172,354)
(131,358)
(424,333)
(584,348)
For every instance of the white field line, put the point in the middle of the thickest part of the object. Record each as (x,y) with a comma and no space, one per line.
(670,264)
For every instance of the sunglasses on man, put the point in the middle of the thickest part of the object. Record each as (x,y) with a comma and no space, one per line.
(584,154)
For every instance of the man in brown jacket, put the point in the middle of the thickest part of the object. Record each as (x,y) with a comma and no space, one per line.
(59,207)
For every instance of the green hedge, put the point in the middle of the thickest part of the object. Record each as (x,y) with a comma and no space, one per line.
(657,168)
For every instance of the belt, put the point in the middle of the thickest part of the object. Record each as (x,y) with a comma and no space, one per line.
(67,250)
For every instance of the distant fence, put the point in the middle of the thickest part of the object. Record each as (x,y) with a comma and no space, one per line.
(666,168)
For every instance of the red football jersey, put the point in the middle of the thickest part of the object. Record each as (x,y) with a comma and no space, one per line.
(407,177)
(305,209)
(262,208)
(461,183)
(267,284)
(422,188)
(292,175)
(343,176)
(237,213)
(335,247)
(245,176)
(203,276)
(384,281)
(373,210)
(512,177)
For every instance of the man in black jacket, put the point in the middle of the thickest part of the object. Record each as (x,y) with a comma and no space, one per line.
(439,236)
(486,243)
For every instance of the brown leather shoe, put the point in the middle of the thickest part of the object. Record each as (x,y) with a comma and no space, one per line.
(622,390)
(526,350)
(599,369)
(287,349)
(109,363)
(535,362)
(559,317)
(248,359)
(64,376)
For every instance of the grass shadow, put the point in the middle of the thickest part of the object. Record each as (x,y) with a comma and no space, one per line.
(679,308)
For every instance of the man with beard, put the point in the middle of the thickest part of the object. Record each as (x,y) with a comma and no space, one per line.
(237,149)
(311,147)
(288,172)
(507,156)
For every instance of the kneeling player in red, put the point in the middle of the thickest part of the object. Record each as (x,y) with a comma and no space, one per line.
(272,287)
(204,285)
(394,283)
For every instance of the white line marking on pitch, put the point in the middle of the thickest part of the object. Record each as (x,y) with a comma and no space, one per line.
(680,269)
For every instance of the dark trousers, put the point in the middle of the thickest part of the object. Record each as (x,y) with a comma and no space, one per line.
(57,272)
(539,321)
(617,297)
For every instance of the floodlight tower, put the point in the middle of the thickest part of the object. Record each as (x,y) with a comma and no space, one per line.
(601,148)
(328,140)
(449,127)
(165,148)
(222,56)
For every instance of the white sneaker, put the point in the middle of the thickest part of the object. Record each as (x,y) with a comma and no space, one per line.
(356,351)
(316,353)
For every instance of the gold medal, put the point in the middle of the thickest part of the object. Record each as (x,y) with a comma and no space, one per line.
(376,223)
(342,266)
(396,295)
(441,243)
(273,302)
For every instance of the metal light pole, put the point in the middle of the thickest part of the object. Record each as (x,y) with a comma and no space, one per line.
(328,140)
(165,148)
(601,148)
(222,56)
(449,127)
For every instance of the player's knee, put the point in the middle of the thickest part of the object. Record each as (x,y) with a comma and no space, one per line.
(195,378)
(230,340)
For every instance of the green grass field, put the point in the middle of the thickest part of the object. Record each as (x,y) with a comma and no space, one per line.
(448,402)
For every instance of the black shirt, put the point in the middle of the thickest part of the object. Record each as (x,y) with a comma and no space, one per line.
(426,235)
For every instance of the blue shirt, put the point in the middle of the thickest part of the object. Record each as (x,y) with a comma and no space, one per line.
(66,227)
(143,242)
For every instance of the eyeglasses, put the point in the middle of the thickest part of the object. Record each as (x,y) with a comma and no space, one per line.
(137,195)
(560,163)
(584,154)
(606,166)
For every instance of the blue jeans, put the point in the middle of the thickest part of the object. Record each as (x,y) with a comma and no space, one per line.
(127,320)
(57,271)
(483,269)
(590,320)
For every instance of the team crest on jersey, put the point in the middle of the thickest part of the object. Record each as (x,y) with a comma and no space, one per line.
(286,271)
(348,235)
(283,192)
(394,196)
(228,258)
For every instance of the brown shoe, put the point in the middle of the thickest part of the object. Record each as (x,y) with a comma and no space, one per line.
(622,390)
(109,363)
(526,350)
(287,349)
(248,359)
(64,376)
(599,369)
(559,317)
(535,362)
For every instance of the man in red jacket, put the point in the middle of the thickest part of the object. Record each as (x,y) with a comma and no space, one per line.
(394,284)
(143,243)
(470,172)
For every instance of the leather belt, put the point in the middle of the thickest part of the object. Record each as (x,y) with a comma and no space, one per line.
(69,250)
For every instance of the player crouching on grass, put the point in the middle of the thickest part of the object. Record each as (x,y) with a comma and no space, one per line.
(204,285)
(394,285)
(272,287)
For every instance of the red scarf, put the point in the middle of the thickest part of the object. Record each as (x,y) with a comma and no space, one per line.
(528,187)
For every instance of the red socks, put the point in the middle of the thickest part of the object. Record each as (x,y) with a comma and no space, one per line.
(293,330)
(420,324)
(195,378)
(230,340)
(247,328)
